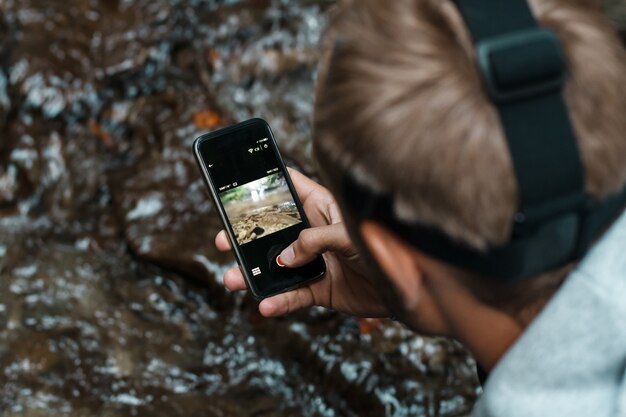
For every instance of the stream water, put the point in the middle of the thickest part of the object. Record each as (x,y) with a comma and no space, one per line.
(111,301)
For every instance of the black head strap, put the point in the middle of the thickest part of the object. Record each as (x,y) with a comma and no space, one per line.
(523,70)
(543,247)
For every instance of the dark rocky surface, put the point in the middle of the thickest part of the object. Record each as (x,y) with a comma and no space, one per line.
(111,300)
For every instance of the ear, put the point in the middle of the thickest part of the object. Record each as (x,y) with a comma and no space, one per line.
(396,259)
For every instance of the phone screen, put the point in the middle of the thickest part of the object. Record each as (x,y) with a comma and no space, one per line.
(258,204)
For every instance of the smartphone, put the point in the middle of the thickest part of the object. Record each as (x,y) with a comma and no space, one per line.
(257,203)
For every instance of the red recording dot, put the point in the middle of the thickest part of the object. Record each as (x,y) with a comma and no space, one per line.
(279,262)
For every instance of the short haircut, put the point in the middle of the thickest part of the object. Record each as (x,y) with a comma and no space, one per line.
(400,104)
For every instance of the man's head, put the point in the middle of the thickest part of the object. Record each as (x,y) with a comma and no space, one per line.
(401,106)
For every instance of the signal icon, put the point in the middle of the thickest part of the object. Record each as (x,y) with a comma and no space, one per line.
(251,150)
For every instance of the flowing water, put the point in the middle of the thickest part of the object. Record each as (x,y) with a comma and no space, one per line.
(111,301)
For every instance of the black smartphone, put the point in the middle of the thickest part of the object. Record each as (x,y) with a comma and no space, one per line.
(257,202)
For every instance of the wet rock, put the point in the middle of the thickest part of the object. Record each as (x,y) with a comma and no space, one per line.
(102,334)
(386,372)
(51,69)
(158,194)
(269,74)
(56,174)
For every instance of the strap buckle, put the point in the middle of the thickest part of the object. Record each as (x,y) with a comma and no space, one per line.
(520,65)
(526,220)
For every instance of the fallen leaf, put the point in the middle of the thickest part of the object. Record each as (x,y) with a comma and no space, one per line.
(99,132)
(367,326)
(207,119)
(213,56)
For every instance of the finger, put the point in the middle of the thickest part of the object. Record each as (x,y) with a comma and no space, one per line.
(286,303)
(315,241)
(222,242)
(234,281)
(305,185)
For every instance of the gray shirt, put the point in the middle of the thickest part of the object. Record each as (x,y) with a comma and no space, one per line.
(571,360)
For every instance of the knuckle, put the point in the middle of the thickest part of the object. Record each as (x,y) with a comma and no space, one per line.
(306,238)
(298,300)
(304,298)
(290,304)
(334,214)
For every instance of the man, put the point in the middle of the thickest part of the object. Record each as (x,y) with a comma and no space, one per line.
(401,108)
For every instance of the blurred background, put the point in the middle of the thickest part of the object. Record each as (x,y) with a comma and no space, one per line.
(111,301)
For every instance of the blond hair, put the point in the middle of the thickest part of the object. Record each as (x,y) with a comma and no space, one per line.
(401,105)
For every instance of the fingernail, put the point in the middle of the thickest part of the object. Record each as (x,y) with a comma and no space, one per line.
(287,255)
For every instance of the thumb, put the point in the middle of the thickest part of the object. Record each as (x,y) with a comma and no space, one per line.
(288,302)
(315,241)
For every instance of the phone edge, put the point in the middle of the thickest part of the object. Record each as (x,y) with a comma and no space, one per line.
(208,183)
(305,218)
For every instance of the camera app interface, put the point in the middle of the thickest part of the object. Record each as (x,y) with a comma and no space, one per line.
(247,174)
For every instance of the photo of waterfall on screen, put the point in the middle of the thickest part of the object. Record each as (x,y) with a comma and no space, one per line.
(260,208)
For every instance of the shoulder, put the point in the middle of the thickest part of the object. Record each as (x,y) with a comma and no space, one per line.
(571,360)
(603,270)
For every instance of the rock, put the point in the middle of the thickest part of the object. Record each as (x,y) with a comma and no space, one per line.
(101,334)
(159,195)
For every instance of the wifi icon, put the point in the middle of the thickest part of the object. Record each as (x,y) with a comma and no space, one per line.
(251,150)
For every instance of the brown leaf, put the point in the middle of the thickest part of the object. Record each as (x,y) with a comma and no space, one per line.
(367,326)
(213,56)
(98,131)
(207,119)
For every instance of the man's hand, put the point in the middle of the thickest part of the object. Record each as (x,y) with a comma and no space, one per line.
(345,287)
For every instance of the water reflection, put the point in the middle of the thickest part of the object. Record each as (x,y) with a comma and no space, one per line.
(110,295)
